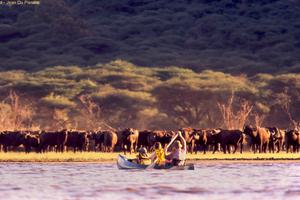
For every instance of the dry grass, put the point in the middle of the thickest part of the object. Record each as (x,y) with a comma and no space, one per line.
(58,157)
(111,157)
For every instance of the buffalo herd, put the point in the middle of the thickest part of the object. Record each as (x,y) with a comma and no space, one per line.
(255,139)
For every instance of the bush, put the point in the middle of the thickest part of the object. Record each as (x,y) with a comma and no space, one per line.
(123,95)
(57,101)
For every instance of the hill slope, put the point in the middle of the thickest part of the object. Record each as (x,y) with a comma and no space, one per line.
(236,36)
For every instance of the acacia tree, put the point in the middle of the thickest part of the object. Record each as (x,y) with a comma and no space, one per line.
(235,118)
(193,99)
(120,107)
(90,111)
(185,106)
(285,101)
(61,119)
(14,113)
(91,114)
(259,119)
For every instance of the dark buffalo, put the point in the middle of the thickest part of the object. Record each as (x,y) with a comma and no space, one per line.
(260,138)
(1,146)
(98,140)
(31,141)
(12,139)
(152,138)
(1,140)
(164,137)
(129,140)
(292,139)
(145,139)
(188,135)
(110,141)
(77,140)
(272,132)
(55,139)
(195,140)
(204,138)
(277,138)
(228,138)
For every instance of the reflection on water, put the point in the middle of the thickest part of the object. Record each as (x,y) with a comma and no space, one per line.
(105,181)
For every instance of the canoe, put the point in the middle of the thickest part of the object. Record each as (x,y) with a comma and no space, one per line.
(124,163)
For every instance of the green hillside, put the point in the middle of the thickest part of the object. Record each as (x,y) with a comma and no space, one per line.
(235,36)
(157,64)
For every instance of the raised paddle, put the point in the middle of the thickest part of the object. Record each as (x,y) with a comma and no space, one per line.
(171,142)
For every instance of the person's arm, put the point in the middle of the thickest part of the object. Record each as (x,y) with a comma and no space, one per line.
(182,140)
(173,139)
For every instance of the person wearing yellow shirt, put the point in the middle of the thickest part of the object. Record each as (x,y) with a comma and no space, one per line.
(158,156)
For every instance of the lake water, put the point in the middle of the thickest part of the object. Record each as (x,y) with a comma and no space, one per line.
(104,181)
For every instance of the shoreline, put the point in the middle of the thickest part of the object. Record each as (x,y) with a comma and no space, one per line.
(100,157)
(198,162)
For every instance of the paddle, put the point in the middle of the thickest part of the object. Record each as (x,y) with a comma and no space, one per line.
(171,142)
(151,166)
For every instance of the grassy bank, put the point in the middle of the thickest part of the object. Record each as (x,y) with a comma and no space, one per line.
(111,157)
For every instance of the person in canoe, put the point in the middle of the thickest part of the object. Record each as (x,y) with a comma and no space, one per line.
(143,157)
(175,158)
(158,156)
(178,154)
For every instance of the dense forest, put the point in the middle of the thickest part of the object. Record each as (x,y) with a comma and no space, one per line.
(150,64)
(233,36)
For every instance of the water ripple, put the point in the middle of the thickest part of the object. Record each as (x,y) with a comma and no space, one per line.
(104,181)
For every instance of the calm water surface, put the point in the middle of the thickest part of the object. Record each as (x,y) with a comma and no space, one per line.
(104,181)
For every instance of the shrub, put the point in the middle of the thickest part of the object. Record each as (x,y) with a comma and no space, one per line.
(57,101)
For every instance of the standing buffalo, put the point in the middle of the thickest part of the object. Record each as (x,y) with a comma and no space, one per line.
(129,139)
(280,140)
(77,140)
(98,140)
(164,137)
(204,138)
(110,139)
(277,138)
(56,139)
(272,132)
(260,138)
(31,141)
(11,139)
(187,133)
(228,138)
(292,139)
(145,139)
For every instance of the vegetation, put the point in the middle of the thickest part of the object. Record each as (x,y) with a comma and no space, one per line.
(90,64)
(120,94)
(111,157)
(233,36)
